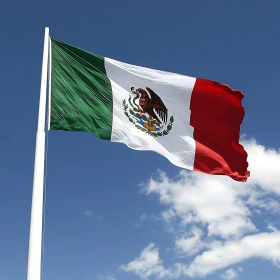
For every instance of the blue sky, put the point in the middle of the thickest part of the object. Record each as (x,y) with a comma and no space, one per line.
(103,211)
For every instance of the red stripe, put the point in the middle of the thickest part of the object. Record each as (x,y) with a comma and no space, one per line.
(216,115)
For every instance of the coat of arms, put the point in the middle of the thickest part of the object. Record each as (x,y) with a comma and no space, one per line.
(147,112)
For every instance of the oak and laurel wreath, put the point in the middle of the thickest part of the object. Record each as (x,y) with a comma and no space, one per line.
(154,134)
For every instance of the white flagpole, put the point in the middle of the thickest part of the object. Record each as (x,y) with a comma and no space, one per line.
(35,238)
(50,82)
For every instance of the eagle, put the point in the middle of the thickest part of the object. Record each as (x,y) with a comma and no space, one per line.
(151,104)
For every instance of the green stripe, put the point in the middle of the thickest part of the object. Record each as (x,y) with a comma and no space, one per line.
(81,93)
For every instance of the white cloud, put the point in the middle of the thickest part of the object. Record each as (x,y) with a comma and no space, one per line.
(264,164)
(168,215)
(230,274)
(220,213)
(261,199)
(272,228)
(147,264)
(223,205)
(190,245)
(211,200)
(237,225)
(214,214)
(264,245)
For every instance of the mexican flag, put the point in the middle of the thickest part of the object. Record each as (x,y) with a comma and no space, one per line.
(194,123)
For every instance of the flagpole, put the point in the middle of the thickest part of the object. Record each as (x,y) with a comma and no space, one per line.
(36,222)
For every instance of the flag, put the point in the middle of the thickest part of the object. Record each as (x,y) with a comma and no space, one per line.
(194,123)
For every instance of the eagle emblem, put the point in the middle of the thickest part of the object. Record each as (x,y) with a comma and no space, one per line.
(147,112)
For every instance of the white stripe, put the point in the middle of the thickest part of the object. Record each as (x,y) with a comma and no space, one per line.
(174,90)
